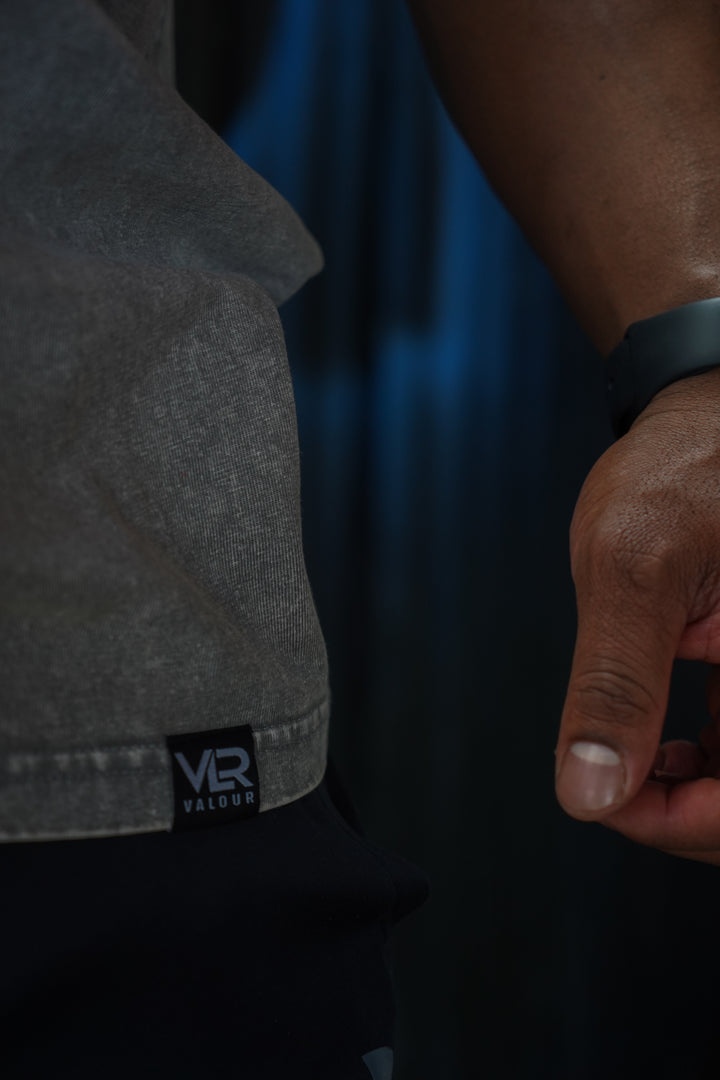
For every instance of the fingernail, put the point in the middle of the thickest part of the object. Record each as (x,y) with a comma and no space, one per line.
(590,778)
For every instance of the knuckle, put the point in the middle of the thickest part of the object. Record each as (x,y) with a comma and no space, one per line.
(640,554)
(642,569)
(610,696)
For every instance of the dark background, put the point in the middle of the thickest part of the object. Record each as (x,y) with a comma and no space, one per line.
(449,409)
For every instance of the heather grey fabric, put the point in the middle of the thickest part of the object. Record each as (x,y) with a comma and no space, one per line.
(152,573)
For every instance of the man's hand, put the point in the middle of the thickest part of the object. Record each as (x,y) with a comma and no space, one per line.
(598,126)
(645,550)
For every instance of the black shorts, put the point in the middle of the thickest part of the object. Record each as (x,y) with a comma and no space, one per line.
(258,950)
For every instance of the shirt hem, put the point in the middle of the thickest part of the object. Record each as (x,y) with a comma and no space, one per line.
(103,791)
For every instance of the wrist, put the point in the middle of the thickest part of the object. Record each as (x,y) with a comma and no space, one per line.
(692,400)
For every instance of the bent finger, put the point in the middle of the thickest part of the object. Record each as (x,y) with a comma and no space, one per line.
(679,759)
(684,817)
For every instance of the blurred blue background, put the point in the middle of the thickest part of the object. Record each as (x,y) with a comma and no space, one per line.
(449,409)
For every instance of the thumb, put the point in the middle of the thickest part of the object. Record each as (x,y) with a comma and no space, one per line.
(629,626)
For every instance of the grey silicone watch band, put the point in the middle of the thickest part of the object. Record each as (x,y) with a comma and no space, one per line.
(658,351)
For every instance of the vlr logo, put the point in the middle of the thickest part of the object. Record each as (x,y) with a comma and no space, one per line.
(225,779)
(215,777)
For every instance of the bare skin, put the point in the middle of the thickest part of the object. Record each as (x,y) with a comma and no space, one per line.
(598,124)
(645,551)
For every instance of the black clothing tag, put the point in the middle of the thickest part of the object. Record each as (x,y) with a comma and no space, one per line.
(215,777)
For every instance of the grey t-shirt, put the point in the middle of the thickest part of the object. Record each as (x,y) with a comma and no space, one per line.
(152,579)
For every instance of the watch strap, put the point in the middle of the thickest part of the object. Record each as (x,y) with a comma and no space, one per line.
(658,351)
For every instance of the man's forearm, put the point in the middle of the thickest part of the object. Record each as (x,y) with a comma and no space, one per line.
(598,124)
